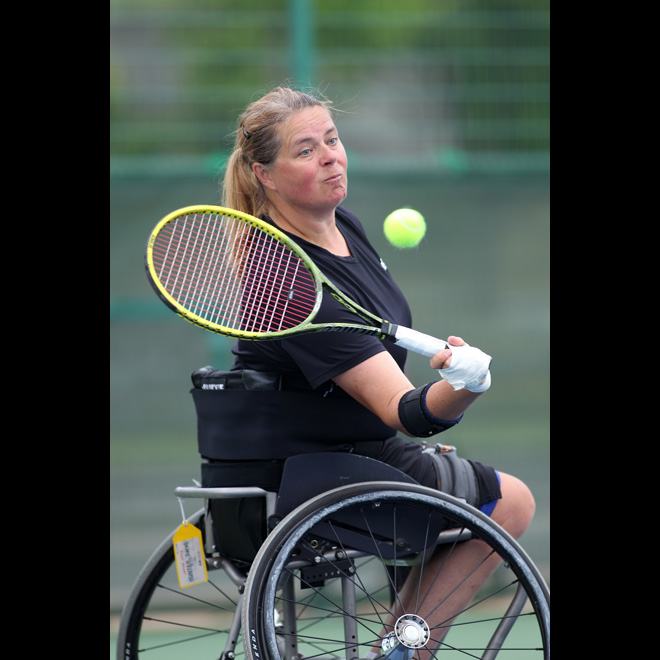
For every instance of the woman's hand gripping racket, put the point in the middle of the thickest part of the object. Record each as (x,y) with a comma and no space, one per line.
(236,275)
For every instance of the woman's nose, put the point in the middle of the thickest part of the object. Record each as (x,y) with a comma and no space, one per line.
(328,156)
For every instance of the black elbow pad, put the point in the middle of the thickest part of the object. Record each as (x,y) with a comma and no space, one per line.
(416,419)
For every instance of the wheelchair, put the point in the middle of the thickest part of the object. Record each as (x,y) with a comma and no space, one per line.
(311,561)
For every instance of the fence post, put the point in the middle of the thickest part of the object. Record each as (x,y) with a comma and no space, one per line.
(301,25)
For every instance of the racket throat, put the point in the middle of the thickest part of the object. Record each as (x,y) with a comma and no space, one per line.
(388,331)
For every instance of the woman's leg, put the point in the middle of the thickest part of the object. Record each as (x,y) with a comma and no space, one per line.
(429,596)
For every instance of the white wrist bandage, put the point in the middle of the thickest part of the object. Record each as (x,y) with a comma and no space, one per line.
(469,367)
(483,387)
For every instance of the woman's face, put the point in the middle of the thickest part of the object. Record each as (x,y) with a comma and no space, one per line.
(309,172)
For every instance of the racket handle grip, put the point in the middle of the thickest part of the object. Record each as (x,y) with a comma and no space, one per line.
(418,342)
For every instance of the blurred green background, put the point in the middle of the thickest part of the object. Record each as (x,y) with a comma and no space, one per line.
(444,108)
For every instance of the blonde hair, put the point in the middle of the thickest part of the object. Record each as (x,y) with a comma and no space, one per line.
(258,141)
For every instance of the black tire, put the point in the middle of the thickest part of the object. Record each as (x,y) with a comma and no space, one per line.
(301,546)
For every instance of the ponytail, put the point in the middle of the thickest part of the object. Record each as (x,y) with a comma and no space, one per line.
(241,190)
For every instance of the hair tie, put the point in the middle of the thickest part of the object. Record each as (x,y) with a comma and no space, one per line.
(247,133)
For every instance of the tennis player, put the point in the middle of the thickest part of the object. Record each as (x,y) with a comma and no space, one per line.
(289,167)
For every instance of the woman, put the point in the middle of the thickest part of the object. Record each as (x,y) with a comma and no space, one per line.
(290,168)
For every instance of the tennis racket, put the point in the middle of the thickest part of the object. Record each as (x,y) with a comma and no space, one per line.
(238,276)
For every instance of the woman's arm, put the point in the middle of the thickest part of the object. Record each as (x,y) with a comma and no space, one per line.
(378,384)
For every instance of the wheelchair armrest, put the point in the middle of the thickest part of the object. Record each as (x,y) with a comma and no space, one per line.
(220,493)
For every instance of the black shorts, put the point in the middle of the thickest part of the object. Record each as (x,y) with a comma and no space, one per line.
(409,457)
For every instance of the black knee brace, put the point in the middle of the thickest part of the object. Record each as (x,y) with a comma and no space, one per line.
(455,475)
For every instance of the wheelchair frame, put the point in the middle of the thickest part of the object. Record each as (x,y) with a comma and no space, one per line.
(264,619)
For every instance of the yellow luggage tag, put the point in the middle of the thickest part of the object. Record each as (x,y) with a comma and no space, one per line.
(189,555)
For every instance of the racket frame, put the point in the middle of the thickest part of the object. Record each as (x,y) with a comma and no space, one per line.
(378,327)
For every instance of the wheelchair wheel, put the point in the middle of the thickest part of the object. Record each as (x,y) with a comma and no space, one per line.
(161,620)
(327,582)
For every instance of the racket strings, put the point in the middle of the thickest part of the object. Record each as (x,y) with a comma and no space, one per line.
(279,292)
(234,274)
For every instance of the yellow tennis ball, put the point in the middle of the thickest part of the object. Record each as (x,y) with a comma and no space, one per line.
(404,228)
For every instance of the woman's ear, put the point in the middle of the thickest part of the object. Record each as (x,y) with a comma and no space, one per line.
(263,175)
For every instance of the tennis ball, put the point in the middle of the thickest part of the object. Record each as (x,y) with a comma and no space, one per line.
(404,228)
